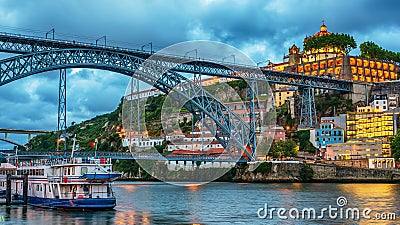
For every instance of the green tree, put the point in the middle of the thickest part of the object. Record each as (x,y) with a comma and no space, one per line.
(395,146)
(162,147)
(339,42)
(306,173)
(283,149)
(371,50)
(303,138)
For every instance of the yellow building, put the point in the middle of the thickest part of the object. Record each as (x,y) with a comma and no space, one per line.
(371,127)
(283,94)
(353,150)
(368,108)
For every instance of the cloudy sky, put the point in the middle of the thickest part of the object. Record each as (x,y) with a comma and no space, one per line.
(262,29)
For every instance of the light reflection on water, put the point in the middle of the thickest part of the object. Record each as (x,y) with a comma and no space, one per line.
(215,203)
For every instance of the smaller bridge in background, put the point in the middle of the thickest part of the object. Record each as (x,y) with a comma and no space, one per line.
(7,131)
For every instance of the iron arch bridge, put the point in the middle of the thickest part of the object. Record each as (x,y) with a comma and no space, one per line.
(42,55)
(230,130)
(22,44)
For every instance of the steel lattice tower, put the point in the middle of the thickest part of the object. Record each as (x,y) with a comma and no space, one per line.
(308,116)
(62,106)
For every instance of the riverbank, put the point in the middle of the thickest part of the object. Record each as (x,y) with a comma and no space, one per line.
(301,172)
(295,172)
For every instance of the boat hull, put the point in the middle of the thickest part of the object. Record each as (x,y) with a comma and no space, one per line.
(73,204)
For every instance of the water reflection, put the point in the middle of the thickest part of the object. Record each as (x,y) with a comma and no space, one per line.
(34,215)
(215,203)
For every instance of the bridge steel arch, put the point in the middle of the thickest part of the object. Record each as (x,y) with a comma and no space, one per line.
(231,131)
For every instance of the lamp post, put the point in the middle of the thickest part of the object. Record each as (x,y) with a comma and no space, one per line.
(105,40)
(265,61)
(194,50)
(288,131)
(233,56)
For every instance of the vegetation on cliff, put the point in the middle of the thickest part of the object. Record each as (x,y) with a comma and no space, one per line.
(395,146)
(286,148)
(373,51)
(105,128)
(329,104)
(306,173)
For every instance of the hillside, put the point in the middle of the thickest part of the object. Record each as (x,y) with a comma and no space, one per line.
(103,127)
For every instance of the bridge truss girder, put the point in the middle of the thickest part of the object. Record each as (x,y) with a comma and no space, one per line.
(22,44)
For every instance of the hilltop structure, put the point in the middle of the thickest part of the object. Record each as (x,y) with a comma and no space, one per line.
(333,61)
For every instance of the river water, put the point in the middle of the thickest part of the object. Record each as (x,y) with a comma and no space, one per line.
(230,203)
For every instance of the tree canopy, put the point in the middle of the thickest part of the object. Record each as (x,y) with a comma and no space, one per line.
(283,148)
(340,42)
(373,51)
(395,146)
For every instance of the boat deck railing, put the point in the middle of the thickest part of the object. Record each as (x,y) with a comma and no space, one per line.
(70,161)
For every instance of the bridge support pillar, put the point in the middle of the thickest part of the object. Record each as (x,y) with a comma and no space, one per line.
(25,189)
(62,106)
(308,116)
(360,92)
(251,95)
(8,189)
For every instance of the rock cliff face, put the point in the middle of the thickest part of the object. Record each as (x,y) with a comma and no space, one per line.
(299,172)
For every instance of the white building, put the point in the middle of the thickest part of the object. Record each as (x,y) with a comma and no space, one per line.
(379,103)
(143,143)
(145,94)
(193,142)
(393,101)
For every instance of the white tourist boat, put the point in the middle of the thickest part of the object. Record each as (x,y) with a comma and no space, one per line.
(74,183)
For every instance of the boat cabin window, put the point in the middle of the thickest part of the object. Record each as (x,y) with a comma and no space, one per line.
(84,170)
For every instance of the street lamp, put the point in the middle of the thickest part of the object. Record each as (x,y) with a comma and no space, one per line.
(105,40)
(288,131)
(194,50)
(233,56)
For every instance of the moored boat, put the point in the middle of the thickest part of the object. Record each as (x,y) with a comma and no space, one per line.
(75,183)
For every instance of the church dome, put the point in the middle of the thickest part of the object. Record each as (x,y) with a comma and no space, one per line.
(323,27)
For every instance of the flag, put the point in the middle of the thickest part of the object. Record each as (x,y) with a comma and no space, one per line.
(94,144)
